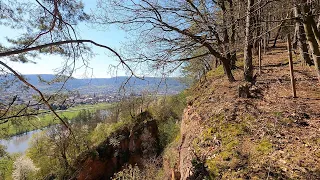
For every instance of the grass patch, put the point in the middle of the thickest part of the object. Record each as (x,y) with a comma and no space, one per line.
(225,138)
(25,124)
(264,147)
(218,72)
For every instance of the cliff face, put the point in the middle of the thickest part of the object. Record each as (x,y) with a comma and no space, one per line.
(123,146)
(190,130)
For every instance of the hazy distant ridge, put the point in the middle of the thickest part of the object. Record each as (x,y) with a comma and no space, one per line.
(100,85)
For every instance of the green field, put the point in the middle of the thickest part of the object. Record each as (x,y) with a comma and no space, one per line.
(26,124)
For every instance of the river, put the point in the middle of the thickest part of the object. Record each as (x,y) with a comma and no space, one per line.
(19,143)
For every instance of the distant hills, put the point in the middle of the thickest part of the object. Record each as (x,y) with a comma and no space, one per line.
(108,85)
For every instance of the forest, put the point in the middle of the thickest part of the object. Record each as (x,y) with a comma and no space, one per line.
(250,109)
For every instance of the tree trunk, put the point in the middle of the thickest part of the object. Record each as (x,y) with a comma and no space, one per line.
(318,25)
(277,36)
(295,36)
(227,70)
(233,59)
(257,24)
(248,67)
(226,41)
(233,38)
(260,58)
(268,30)
(301,39)
(265,38)
(225,62)
(315,30)
(314,46)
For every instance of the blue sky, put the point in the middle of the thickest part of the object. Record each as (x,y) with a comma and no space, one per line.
(111,36)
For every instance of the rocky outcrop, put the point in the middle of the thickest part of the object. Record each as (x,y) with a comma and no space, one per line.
(190,129)
(123,146)
(183,152)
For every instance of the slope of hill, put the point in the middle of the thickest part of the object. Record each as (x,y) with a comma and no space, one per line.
(269,136)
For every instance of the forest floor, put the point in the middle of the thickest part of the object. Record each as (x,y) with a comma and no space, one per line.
(268,136)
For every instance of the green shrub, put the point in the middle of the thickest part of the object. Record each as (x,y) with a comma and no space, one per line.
(6,168)
(103,130)
(129,173)
(168,131)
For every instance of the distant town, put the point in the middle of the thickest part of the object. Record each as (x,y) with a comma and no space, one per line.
(68,101)
(84,91)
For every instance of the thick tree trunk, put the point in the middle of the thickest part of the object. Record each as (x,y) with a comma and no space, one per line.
(301,39)
(315,30)
(313,36)
(227,70)
(225,62)
(226,41)
(314,46)
(248,67)
(233,59)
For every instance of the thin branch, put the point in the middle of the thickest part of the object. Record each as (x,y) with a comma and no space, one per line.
(24,50)
(38,91)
